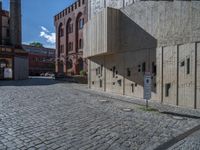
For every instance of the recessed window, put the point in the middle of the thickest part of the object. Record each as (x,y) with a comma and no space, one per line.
(128,72)
(188,65)
(101,70)
(100,83)
(182,63)
(119,82)
(79,3)
(70,28)
(81,44)
(8,32)
(143,67)
(113,70)
(81,23)
(167,88)
(132,87)
(154,68)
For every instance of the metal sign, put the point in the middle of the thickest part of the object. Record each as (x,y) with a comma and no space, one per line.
(147,86)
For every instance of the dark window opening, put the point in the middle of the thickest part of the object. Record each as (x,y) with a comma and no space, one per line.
(61,32)
(93,82)
(80,44)
(100,83)
(119,82)
(81,23)
(97,71)
(167,88)
(143,67)
(182,63)
(8,32)
(101,70)
(188,65)
(154,68)
(113,71)
(70,28)
(132,87)
(128,72)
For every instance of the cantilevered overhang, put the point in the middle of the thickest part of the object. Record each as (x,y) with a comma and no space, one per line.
(101,33)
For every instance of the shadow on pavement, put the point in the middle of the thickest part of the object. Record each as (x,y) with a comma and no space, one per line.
(32,81)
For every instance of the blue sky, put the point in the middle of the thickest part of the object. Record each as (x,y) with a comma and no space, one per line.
(37,19)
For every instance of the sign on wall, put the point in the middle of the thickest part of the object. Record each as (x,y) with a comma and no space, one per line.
(8,73)
(147,85)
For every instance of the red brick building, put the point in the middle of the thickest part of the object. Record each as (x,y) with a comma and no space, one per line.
(41,60)
(13,59)
(69,39)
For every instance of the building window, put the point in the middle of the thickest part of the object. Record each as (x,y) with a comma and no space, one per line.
(188,65)
(143,67)
(101,70)
(61,31)
(70,28)
(101,84)
(8,32)
(167,88)
(83,1)
(182,63)
(119,82)
(128,72)
(132,87)
(81,23)
(61,48)
(81,44)
(154,68)
(114,70)
(70,46)
(79,3)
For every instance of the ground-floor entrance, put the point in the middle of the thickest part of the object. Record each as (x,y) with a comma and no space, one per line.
(6,68)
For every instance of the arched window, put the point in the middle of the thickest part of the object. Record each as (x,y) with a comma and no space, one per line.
(60,34)
(61,30)
(81,23)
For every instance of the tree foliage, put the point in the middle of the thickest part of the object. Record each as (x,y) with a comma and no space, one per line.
(36,44)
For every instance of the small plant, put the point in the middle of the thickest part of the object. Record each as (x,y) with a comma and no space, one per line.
(83,73)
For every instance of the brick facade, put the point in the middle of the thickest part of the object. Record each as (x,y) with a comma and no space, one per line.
(69,39)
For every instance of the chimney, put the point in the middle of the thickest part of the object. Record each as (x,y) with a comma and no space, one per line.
(15,23)
(0,4)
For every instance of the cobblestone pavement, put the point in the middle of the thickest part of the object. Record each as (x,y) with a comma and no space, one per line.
(45,114)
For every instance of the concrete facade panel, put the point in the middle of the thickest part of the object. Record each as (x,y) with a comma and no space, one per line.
(186,75)
(170,75)
(198,76)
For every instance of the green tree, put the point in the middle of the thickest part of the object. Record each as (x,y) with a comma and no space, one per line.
(36,44)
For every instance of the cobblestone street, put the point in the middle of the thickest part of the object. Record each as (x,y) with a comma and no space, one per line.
(42,113)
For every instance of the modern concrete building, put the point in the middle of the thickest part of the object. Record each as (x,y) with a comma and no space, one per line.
(41,60)
(69,39)
(124,39)
(13,59)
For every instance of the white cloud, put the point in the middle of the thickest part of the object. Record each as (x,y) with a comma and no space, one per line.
(49,37)
(44,29)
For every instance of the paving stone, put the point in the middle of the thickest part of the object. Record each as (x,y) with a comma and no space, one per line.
(46,114)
